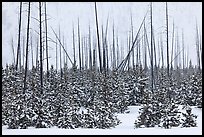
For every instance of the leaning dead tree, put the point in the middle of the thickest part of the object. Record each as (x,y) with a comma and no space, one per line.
(123,63)
(60,43)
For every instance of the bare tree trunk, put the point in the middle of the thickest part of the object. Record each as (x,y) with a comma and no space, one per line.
(159,56)
(26,63)
(128,47)
(114,58)
(41,52)
(172,46)
(31,45)
(23,50)
(46,41)
(60,53)
(197,46)
(63,41)
(145,49)
(99,50)
(90,56)
(162,51)
(82,53)
(133,56)
(94,58)
(201,49)
(183,50)
(86,53)
(13,53)
(104,51)
(106,44)
(56,56)
(79,46)
(155,55)
(167,40)
(117,51)
(37,42)
(19,39)
(74,49)
(152,65)
(176,51)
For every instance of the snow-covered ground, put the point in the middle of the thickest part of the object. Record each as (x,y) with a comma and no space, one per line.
(125,128)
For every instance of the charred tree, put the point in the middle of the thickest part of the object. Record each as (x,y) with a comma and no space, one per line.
(99,50)
(167,41)
(41,52)
(27,43)
(19,38)
(79,47)
(152,64)
(46,41)
(90,54)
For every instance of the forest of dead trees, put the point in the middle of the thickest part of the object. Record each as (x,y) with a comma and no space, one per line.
(102,76)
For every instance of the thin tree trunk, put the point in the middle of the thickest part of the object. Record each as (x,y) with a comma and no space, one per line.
(155,55)
(56,56)
(167,42)
(104,51)
(90,56)
(128,47)
(86,53)
(99,50)
(152,65)
(23,51)
(114,58)
(46,41)
(60,53)
(65,49)
(41,52)
(37,41)
(106,43)
(201,49)
(117,50)
(82,53)
(94,58)
(26,63)
(133,56)
(145,49)
(197,46)
(31,45)
(74,49)
(162,51)
(183,50)
(19,39)
(79,47)
(159,56)
(12,46)
(172,46)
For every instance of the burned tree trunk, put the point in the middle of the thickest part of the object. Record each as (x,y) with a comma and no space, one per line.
(99,50)
(26,63)
(19,38)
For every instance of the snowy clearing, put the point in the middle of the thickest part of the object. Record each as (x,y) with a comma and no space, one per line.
(125,128)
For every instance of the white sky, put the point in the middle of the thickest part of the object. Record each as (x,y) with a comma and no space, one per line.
(184,15)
